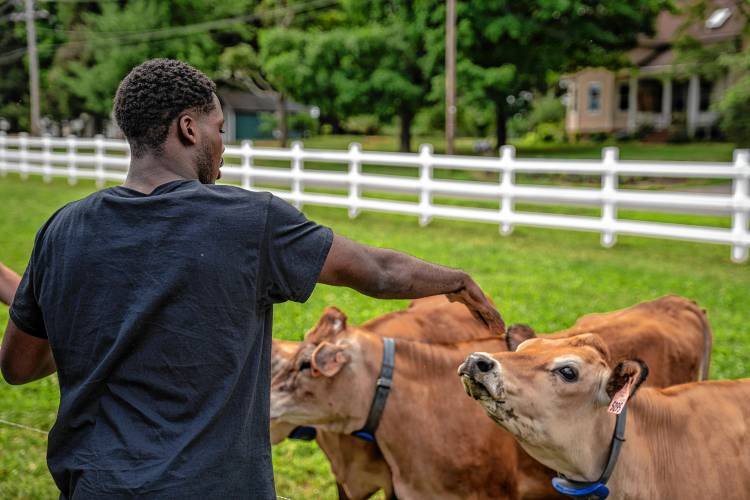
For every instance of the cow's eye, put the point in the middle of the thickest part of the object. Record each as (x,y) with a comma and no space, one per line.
(568,373)
(305,365)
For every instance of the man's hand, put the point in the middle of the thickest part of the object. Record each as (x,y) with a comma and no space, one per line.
(480,306)
(9,281)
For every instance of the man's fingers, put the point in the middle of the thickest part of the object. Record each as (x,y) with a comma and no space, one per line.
(481,309)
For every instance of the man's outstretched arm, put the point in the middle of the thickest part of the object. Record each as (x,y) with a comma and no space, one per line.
(9,281)
(387,274)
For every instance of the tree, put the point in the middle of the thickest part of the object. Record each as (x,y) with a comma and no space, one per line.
(507,46)
(121,37)
(372,59)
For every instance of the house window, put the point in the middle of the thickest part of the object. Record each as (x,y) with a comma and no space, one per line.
(649,95)
(705,94)
(679,95)
(717,19)
(595,97)
(624,97)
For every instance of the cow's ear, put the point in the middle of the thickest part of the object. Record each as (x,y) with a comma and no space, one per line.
(625,379)
(330,323)
(327,359)
(516,334)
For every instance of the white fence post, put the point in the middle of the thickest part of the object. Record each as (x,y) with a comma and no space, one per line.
(297,166)
(740,196)
(46,162)
(609,207)
(425,182)
(23,144)
(99,145)
(247,164)
(72,167)
(507,179)
(3,166)
(355,171)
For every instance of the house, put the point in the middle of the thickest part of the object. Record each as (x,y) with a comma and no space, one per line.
(243,113)
(653,93)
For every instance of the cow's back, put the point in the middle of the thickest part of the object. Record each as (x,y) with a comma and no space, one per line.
(432,320)
(671,334)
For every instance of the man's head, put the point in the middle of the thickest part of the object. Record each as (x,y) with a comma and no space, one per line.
(165,105)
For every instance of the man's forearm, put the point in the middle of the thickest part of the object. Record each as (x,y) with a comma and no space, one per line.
(9,281)
(401,276)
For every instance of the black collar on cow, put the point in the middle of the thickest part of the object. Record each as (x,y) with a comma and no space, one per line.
(382,390)
(596,489)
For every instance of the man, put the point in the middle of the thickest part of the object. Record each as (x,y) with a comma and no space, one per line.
(9,281)
(153,301)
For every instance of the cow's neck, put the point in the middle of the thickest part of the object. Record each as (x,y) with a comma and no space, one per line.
(425,374)
(636,474)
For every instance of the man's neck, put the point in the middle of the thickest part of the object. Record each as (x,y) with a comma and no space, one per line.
(147,172)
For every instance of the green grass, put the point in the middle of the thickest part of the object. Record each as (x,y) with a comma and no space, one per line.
(545,278)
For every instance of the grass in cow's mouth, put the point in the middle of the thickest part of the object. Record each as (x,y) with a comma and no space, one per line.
(545,278)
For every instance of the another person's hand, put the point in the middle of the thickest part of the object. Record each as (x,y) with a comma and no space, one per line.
(9,281)
(480,306)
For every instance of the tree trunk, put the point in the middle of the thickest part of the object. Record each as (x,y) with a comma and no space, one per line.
(405,142)
(501,122)
(282,120)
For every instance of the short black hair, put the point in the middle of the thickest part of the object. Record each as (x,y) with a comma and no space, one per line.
(152,95)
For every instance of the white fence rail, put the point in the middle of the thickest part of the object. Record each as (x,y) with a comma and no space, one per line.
(107,160)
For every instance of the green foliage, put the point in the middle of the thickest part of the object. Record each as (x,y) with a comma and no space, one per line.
(507,46)
(735,112)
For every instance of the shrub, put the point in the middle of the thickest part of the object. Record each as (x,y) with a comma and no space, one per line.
(735,112)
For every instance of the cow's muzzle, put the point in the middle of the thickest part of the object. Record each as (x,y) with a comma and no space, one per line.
(480,374)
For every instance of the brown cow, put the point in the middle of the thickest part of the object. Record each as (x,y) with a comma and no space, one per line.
(358,465)
(688,441)
(670,331)
(685,339)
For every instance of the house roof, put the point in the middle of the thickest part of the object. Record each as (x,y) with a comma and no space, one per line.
(247,101)
(657,50)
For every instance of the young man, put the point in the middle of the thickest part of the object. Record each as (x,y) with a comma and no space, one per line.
(153,301)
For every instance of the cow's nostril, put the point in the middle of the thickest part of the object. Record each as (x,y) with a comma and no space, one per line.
(484,366)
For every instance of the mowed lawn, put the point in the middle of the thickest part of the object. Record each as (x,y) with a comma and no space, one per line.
(546,278)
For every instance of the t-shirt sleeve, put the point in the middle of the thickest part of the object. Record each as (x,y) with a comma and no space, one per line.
(295,249)
(25,311)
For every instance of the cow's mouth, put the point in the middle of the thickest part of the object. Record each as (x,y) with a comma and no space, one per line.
(475,389)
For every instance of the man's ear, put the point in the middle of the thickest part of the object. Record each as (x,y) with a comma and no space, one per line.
(187,129)
(516,334)
(627,377)
(330,323)
(327,359)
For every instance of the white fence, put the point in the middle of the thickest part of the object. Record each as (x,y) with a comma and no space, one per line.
(107,160)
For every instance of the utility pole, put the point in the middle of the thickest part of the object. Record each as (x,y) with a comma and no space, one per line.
(33,67)
(450,76)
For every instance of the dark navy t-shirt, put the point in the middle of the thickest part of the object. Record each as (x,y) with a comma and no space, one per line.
(158,311)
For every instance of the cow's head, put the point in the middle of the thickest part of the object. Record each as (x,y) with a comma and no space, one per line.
(552,395)
(319,386)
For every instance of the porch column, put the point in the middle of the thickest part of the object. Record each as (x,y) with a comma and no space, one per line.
(666,102)
(693,102)
(633,104)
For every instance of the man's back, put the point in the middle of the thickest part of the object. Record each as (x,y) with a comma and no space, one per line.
(158,312)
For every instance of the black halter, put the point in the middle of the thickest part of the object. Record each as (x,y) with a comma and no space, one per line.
(596,489)
(382,390)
